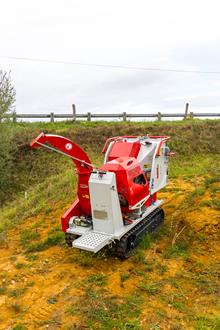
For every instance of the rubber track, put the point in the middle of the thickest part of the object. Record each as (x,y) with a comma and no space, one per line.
(149,224)
(69,238)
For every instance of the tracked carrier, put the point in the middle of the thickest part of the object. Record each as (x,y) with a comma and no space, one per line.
(117,203)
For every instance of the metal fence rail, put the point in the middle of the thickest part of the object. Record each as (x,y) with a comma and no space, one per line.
(124,116)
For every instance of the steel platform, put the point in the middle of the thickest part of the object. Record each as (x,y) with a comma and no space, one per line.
(92,241)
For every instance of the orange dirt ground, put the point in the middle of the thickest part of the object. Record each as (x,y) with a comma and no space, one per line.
(38,288)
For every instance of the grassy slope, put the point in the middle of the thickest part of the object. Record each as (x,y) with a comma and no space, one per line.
(189,139)
(170,283)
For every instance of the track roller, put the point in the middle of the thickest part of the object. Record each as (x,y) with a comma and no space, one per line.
(69,238)
(128,243)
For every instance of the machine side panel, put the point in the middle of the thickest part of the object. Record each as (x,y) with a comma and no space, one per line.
(106,211)
(159,176)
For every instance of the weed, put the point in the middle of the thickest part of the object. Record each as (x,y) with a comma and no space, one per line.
(19,327)
(139,257)
(19,265)
(97,279)
(161,313)
(162,268)
(207,323)
(54,239)
(84,259)
(124,277)
(54,323)
(109,312)
(211,180)
(206,285)
(214,189)
(155,326)
(51,240)
(149,266)
(38,224)
(48,210)
(2,290)
(16,308)
(145,242)
(71,310)
(31,257)
(17,293)
(138,272)
(200,237)
(178,250)
(216,204)
(195,194)
(151,288)
(3,239)
(207,203)
(180,306)
(160,233)
(52,300)
(27,236)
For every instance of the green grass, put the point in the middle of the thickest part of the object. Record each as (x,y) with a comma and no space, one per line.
(28,235)
(139,257)
(98,310)
(207,323)
(19,265)
(19,327)
(17,293)
(195,143)
(210,181)
(97,279)
(55,189)
(179,250)
(31,257)
(150,288)
(145,242)
(110,312)
(84,259)
(124,277)
(216,204)
(3,290)
(51,240)
(195,165)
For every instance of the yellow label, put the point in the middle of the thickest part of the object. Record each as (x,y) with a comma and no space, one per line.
(85,196)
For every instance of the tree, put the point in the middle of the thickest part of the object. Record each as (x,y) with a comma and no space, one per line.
(7,94)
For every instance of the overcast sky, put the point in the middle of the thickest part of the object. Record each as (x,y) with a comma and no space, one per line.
(171,34)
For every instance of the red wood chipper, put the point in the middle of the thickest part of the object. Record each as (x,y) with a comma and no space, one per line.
(117,203)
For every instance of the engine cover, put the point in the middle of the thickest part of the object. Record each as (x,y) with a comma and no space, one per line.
(132,184)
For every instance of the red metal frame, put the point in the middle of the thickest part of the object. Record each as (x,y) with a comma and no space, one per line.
(83,170)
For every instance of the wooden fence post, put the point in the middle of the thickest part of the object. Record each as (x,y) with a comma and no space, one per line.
(186,111)
(14,117)
(159,116)
(52,117)
(124,116)
(89,116)
(74,112)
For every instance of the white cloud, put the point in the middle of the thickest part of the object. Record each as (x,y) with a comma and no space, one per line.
(167,34)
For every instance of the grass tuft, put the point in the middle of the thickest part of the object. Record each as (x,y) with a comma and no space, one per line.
(176,251)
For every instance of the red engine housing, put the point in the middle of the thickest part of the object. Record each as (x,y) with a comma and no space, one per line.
(131,182)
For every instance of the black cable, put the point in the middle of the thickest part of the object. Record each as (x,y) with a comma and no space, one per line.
(108,66)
